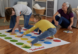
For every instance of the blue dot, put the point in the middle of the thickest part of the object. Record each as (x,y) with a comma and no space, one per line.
(41,40)
(47,42)
(21,32)
(16,30)
(28,35)
(33,37)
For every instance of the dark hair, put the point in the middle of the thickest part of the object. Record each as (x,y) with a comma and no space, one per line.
(69,10)
(8,13)
(37,16)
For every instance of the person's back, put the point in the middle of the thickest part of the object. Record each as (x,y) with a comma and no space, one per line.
(22,8)
(44,25)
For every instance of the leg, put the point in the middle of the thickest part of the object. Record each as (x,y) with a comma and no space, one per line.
(12,22)
(64,22)
(26,21)
(40,31)
(47,33)
(57,18)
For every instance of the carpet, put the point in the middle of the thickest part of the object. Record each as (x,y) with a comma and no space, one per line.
(21,22)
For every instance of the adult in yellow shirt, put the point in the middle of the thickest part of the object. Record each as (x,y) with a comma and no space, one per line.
(45,26)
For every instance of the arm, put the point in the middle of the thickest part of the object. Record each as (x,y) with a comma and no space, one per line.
(54,16)
(28,31)
(71,19)
(16,25)
(70,26)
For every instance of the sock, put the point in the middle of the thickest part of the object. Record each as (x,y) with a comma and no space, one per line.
(9,30)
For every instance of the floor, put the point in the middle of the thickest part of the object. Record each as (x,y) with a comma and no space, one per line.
(72,48)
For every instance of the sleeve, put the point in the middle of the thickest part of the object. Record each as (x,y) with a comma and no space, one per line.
(17,12)
(60,10)
(31,29)
(71,15)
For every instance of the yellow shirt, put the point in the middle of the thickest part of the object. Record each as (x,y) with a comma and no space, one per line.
(43,25)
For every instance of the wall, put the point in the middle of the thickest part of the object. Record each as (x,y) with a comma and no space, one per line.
(74,3)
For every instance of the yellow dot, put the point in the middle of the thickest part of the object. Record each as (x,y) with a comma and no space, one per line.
(24,38)
(17,37)
(37,44)
(7,32)
(29,41)
(13,34)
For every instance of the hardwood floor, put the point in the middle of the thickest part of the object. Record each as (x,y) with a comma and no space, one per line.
(72,48)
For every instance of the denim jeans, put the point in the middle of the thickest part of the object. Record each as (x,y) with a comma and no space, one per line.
(26,21)
(62,21)
(49,32)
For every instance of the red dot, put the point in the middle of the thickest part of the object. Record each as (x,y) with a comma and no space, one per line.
(36,33)
(25,29)
(57,40)
(32,31)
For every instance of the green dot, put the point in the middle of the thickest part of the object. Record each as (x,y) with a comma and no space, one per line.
(26,47)
(0,33)
(8,38)
(3,35)
(19,43)
(14,40)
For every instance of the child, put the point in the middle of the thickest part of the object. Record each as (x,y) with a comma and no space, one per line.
(14,14)
(45,26)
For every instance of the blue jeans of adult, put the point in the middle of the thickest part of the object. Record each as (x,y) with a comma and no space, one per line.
(63,22)
(49,32)
(26,21)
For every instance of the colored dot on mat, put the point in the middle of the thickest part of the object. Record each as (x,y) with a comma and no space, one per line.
(16,30)
(19,43)
(37,44)
(28,41)
(13,34)
(14,40)
(18,36)
(24,38)
(8,38)
(33,37)
(25,29)
(7,32)
(0,33)
(3,35)
(28,35)
(21,32)
(36,33)
(57,40)
(33,31)
(47,42)
(27,47)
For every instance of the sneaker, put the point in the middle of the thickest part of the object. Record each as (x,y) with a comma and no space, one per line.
(26,45)
(9,31)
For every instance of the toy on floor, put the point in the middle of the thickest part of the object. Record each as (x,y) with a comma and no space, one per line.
(68,31)
(40,45)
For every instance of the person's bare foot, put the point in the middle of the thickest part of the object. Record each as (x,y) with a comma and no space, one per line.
(20,29)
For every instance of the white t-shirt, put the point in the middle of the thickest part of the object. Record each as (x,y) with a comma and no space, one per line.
(23,9)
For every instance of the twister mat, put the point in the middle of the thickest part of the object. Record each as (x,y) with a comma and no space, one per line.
(40,45)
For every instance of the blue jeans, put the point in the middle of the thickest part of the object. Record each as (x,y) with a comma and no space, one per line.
(26,21)
(62,21)
(49,32)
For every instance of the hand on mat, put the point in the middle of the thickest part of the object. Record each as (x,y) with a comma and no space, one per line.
(12,33)
(20,35)
(70,27)
(56,23)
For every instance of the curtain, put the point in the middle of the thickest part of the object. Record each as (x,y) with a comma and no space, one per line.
(3,4)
